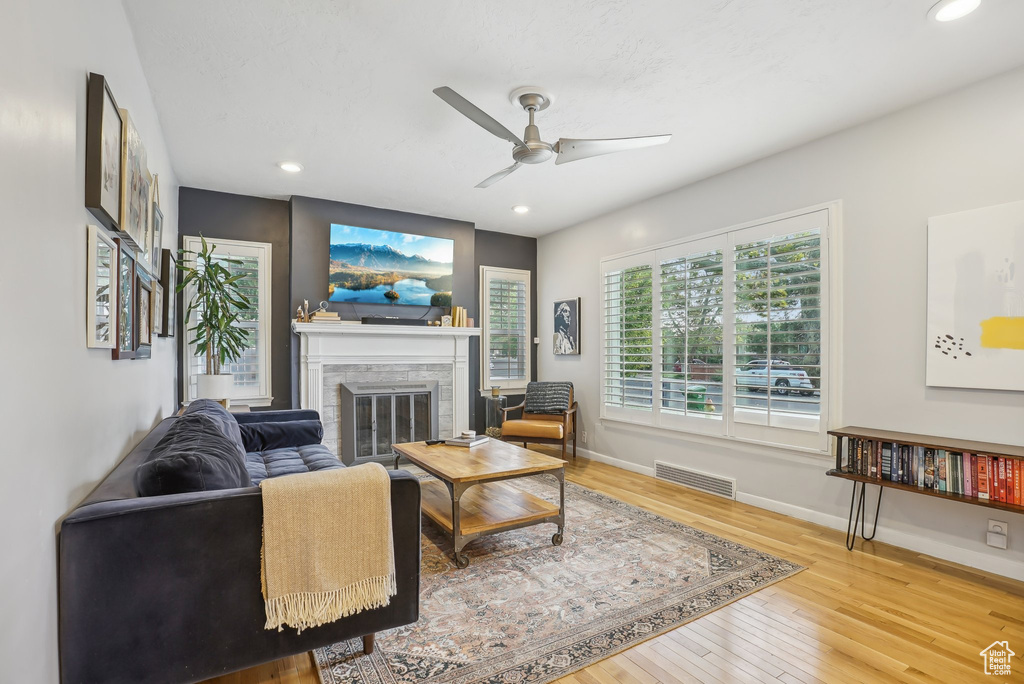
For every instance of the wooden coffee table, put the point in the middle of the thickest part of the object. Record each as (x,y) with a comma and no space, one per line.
(469,499)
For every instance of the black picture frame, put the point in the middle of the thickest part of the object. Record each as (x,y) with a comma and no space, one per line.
(566,338)
(126,339)
(169,281)
(143,312)
(103,155)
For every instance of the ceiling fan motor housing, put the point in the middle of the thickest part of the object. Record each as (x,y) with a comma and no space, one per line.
(536,150)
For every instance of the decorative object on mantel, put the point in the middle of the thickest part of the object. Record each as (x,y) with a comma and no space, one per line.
(103,130)
(494,406)
(215,300)
(135,181)
(143,313)
(976,299)
(101,276)
(459,318)
(446,321)
(677,574)
(567,327)
(125,302)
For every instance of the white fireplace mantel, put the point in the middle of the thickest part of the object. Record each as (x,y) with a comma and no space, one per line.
(322,344)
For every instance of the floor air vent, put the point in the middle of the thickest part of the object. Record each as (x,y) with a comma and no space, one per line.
(705,482)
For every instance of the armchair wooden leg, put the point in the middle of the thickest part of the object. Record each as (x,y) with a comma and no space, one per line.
(563,445)
(368,643)
(574,446)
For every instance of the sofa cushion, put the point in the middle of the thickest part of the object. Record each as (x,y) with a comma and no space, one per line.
(279,435)
(224,421)
(290,460)
(193,456)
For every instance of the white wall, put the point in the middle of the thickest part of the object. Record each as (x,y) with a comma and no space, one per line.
(957,152)
(67,413)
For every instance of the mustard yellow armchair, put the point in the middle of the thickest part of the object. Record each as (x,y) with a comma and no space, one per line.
(548,416)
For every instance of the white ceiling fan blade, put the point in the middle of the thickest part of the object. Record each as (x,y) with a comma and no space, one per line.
(491,180)
(477,115)
(570,149)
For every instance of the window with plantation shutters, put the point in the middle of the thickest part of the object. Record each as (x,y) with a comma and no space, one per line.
(251,370)
(691,317)
(628,338)
(724,334)
(777,339)
(506,336)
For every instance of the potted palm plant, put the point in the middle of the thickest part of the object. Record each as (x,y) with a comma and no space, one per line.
(212,313)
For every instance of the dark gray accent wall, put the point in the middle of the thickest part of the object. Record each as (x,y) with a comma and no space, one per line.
(299,231)
(240,217)
(507,251)
(311,221)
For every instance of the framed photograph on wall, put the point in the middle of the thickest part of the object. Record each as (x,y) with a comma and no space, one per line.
(101,285)
(567,327)
(103,169)
(156,229)
(169,284)
(143,312)
(125,302)
(135,181)
(156,308)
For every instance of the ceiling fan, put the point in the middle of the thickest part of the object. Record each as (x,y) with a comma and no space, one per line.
(530,149)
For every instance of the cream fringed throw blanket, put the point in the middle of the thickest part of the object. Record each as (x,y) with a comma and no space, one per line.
(327,547)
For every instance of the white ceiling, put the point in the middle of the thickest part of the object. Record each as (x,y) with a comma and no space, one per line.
(345,88)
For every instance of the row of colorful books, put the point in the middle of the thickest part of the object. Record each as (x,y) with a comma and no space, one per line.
(996,478)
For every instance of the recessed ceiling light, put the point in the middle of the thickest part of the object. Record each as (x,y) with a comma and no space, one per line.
(951,10)
(520,208)
(290,167)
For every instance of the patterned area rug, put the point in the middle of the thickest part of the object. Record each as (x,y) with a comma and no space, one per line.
(527,611)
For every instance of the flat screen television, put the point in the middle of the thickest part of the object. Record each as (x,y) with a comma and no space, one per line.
(370,266)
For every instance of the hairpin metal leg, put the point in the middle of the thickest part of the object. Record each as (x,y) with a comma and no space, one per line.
(863,519)
(851,524)
(859,514)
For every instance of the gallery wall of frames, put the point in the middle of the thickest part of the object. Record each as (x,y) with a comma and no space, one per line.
(131,278)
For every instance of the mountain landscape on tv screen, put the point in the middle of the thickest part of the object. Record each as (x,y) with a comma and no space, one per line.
(363,272)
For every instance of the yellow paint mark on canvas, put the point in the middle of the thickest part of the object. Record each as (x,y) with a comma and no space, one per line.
(1003,332)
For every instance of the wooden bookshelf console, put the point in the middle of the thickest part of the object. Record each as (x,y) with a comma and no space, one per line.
(858,503)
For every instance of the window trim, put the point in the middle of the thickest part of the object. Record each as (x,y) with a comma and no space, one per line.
(486,273)
(832,368)
(264,253)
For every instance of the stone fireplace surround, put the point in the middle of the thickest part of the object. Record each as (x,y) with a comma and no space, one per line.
(334,353)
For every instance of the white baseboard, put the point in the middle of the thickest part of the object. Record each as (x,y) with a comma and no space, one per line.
(906,540)
(617,462)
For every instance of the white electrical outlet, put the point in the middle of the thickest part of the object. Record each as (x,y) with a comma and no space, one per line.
(997,533)
(583,436)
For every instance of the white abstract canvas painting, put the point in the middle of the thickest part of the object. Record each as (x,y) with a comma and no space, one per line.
(976,298)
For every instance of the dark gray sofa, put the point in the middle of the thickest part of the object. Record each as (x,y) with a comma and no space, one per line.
(167,588)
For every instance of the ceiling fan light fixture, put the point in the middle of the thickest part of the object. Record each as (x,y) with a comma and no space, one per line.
(290,166)
(951,10)
(521,209)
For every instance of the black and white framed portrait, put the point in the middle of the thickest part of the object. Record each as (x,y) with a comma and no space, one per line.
(567,326)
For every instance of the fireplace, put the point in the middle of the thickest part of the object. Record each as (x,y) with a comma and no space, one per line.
(384,356)
(375,415)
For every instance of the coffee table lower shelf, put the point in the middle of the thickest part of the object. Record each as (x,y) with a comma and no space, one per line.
(485,509)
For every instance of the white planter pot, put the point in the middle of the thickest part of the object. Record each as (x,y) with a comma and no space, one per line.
(216,387)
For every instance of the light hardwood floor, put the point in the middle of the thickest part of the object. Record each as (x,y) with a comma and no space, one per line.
(877,614)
